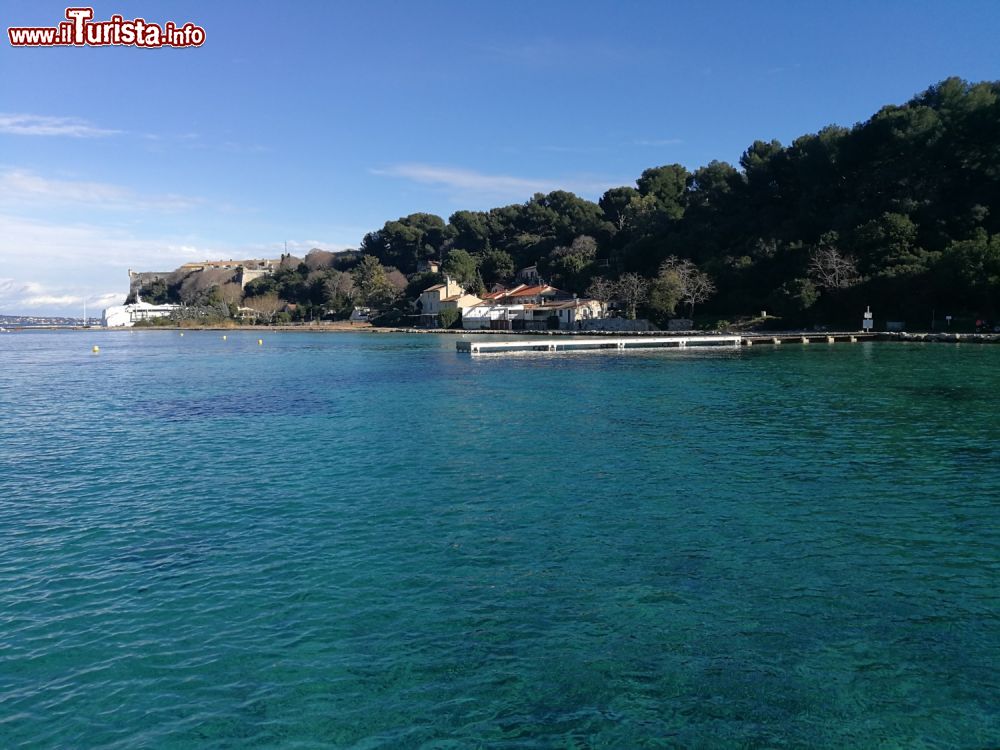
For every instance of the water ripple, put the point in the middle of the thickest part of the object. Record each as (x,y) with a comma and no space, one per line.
(372,542)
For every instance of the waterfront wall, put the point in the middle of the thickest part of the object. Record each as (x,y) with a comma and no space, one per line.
(617,324)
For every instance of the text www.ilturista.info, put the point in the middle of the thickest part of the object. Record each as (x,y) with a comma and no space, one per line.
(79,30)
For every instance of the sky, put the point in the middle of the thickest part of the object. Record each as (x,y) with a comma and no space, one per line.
(312,123)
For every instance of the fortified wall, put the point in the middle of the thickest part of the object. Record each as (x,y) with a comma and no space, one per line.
(244,271)
(139,279)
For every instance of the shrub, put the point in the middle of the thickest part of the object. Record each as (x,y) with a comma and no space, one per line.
(448,317)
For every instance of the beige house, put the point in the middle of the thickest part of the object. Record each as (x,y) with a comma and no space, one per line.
(460,302)
(447,296)
(574,313)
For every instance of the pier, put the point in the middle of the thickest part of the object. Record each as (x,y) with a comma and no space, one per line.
(776,339)
(576,343)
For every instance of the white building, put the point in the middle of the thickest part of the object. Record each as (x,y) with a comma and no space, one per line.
(563,315)
(489,314)
(126,316)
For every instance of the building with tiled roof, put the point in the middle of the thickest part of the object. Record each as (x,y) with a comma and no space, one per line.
(447,296)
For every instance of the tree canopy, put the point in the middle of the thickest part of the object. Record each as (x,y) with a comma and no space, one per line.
(900,212)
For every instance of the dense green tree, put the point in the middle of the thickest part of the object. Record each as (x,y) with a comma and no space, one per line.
(793,298)
(261,286)
(668,185)
(470,229)
(155,292)
(449,317)
(711,186)
(664,295)
(462,267)
(405,242)
(570,267)
(570,216)
(373,288)
(615,202)
(496,266)
(973,268)
(419,282)
(889,246)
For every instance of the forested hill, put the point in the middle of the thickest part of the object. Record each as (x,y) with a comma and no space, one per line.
(901,212)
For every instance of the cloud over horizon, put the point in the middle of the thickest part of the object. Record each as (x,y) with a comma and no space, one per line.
(22,186)
(44,125)
(467,184)
(19,297)
(82,259)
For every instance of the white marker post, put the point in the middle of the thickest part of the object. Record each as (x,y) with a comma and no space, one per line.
(867,324)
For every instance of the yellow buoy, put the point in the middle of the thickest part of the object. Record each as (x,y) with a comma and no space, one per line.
(260,342)
(182,333)
(224,338)
(96,349)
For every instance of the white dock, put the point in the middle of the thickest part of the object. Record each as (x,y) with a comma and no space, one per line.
(575,343)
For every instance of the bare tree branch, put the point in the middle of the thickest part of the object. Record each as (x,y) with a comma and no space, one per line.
(632,290)
(693,285)
(601,289)
(831,270)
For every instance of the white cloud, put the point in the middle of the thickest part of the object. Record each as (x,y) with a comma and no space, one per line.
(50,266)
(464,179)
(72,127)
(466,183)
(657,141)
(30,297)
(91,246)
(16,184)
(49,300)
(19,186)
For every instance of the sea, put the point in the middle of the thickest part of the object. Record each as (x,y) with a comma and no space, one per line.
(357,540)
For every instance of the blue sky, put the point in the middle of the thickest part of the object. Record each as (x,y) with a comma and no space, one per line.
(314,122)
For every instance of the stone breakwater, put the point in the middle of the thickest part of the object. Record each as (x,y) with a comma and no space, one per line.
(945,338)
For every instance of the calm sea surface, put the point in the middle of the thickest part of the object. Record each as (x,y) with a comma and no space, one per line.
(371,541)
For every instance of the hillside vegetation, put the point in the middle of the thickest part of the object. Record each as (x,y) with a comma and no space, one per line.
(900,212)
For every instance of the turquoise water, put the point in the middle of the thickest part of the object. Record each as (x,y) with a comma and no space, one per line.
(370,541)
